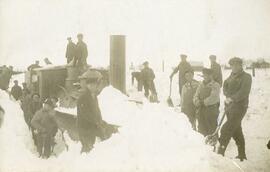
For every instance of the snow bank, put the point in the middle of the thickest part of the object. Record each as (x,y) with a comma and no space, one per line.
(152,137)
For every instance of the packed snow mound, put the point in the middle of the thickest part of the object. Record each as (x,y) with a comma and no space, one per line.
(152,137)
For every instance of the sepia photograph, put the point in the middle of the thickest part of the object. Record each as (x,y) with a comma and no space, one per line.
(134,86)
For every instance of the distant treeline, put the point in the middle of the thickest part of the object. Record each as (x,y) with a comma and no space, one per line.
(259,64)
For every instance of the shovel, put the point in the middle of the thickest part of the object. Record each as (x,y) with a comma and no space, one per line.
(212,139)
(169,100)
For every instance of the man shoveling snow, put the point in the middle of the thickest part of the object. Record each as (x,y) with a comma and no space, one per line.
(236,89)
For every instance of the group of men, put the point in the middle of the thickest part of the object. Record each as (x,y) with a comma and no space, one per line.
(201,101)
(145,79)
(39,117)
(77,53)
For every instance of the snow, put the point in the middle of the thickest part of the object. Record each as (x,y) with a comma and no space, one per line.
(152,137)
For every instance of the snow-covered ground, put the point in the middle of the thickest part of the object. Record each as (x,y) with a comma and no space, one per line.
(152,137)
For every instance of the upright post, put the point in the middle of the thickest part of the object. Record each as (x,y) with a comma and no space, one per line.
(163,65)
(118,62)
(253,70)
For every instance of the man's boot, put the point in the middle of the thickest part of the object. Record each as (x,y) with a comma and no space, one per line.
(221,150)
(241,153)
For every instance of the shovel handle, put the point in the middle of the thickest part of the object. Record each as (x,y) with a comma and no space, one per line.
(219,124)
(170,87)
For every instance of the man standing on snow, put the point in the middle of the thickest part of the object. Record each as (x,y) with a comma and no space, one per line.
(217,73)
(70,51)
(136,75)
(206,99)
(16,91)
(34,106)
(88,113)
(188,92)
(45,128)
(147,77)
(25,90)
(81,52)
(236,88)
(25,106)
(182,68)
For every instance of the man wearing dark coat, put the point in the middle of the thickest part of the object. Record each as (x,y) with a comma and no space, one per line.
(206,99)
(88,113)
(217,73)
(182,68)
(16,91)
(25,90)
(34,105)
(45,128)
(81,52)
(137,75)
(236,88)
(25,106)
(71,50)
(147,77)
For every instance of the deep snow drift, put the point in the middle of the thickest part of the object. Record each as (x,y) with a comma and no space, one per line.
(152,137)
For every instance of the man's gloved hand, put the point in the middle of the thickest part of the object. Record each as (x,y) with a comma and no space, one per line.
(268,145)
(228,101)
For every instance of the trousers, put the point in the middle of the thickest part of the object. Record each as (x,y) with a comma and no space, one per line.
(44,144)
(207,119)
(232,128)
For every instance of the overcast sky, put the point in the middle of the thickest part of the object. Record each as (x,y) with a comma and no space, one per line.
(154,29)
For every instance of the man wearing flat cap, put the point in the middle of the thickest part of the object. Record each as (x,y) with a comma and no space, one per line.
(147,77)
(206,100)
(217,73)
(89,117)
(45,128)
(182,68)
(236,88)
(71,50)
